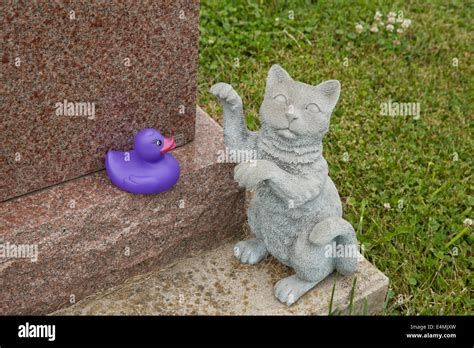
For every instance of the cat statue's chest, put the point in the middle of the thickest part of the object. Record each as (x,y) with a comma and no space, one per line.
(279,222)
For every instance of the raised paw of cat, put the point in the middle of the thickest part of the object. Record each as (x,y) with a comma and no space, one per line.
(226,94)
(249,174)
(250,251)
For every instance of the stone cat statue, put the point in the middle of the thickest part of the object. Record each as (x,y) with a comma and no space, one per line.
(296,213)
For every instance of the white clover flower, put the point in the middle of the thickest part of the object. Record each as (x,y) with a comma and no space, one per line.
(386,205)
(359,28)
(391,15)
(400,30)
(391,20)
(467,222)
(406,23)
(390,27)
(374,29)
(378,15)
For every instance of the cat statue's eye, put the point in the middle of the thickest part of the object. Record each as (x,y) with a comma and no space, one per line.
(280,98)
(312,107)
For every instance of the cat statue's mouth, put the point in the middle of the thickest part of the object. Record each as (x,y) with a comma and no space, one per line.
(286,132)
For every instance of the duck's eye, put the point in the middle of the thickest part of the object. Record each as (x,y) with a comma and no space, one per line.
(158,142)
(280,98)
(313,107)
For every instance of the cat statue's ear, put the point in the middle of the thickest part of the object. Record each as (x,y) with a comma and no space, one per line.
(277,75)
(330,90)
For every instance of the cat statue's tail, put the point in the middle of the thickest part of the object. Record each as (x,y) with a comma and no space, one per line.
(342,232)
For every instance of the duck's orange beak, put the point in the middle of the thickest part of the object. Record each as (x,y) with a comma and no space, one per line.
(169,145)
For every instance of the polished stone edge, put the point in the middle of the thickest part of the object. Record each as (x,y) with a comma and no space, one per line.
(79,246)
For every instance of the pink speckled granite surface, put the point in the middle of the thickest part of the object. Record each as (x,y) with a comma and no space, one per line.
(83,60)
(84,228)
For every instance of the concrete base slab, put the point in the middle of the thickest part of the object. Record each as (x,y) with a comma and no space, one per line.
(215,283)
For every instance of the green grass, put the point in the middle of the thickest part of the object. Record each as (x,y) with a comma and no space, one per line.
(424,247)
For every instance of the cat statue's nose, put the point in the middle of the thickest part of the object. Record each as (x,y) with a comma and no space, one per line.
(291,114)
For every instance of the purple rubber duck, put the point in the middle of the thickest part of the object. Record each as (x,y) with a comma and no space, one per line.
(147,169)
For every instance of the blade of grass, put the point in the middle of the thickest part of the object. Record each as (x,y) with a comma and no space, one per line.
(332,298)
(351,303)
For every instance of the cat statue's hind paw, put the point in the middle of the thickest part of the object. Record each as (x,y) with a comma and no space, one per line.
(288,290)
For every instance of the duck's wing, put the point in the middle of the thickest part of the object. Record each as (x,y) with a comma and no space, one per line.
(140,180)
(141,184)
